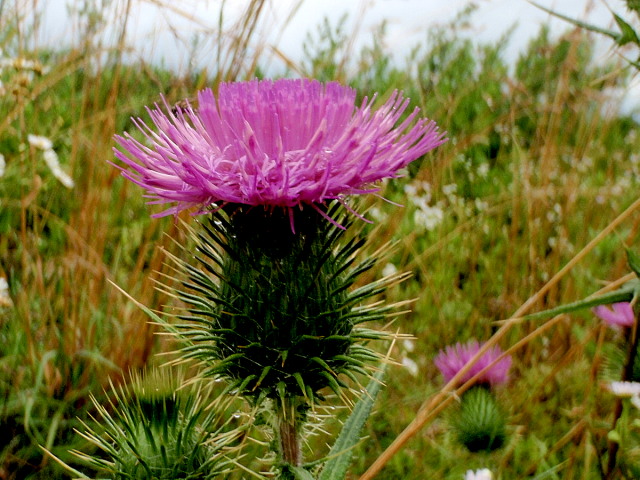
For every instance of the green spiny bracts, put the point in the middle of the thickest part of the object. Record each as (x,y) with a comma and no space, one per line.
(633,5)
(273,309)
(480,425)
(151,429)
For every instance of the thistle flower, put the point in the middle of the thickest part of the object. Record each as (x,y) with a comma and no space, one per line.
(285,143)
(621,314)
(453,358)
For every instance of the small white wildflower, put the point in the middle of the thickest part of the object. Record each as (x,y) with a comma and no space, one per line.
(24,64)
(481,205)
(558,209)
(410,189)
(482,474)
(3,165)
(410,365)
(38,141)
(51,159)
(625,182)
(389,269)
(5,299)
(449,189)
(377,214)
(408,345)
(624,389)
(428,217)
(483,170)
(617,190)
(422,202)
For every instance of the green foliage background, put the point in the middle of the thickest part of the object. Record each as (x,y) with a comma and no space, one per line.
(540,160)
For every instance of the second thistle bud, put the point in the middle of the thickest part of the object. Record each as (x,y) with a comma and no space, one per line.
(480,424)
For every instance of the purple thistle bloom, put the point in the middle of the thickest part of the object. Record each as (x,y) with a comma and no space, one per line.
(284,143)
(621,314)
(453,358)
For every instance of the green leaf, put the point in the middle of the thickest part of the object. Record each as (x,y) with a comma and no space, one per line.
(633,259)
(624,294)
(340,455)
(629,35)
(299,473)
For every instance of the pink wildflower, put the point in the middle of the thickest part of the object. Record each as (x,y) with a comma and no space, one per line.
(284,143)
(621,315)
(453,358)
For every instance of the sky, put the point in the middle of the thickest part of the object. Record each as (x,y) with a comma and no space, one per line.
(162,31)
(153,30)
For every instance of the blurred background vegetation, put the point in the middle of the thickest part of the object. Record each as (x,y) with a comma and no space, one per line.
(541,158)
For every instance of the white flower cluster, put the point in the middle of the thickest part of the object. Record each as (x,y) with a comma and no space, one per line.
(472,172)
(411,365)
(5,299)
(23,64)
(23,72)
(629,390)
(482,474)
(426,217)
(625,389)
(464,207)
(51,159)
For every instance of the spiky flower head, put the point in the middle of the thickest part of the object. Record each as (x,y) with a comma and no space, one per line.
(284,143)
(619,315)
(272,310)
(453,358)
(153,430)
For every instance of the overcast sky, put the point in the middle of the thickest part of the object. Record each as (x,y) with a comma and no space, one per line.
(153,31)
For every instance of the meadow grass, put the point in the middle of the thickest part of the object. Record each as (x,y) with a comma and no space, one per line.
(539,162)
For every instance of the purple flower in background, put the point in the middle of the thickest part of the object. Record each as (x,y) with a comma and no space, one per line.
(621,314)
(453,358)
(284,143)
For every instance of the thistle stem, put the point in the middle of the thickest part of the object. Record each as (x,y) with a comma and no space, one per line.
(288,424)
